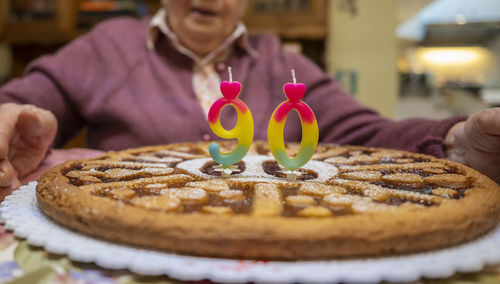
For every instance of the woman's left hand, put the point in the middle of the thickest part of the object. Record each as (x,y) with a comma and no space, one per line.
(476,142)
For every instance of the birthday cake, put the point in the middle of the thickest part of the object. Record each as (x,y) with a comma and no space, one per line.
(347,201)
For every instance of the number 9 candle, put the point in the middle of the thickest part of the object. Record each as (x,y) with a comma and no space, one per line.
(243,130)
(294,93)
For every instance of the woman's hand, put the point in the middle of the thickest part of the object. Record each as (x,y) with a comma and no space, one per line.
(476,142)
(26,132)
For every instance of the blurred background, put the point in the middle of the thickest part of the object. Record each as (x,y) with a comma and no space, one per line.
(405,58)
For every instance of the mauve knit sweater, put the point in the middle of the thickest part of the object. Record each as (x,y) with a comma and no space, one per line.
(129,96)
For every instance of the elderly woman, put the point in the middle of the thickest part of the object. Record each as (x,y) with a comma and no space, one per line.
(151,81)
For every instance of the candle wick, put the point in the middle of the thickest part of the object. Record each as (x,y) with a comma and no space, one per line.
(230,74)
(293,76)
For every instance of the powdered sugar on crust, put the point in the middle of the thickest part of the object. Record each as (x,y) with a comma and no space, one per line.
(254,171)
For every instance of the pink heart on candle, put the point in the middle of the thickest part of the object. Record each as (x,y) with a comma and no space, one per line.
(294,92)
(230,90)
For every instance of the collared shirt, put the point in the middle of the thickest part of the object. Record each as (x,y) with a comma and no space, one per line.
(205,80)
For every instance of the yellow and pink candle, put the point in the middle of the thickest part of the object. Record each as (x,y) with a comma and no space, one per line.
(243,130)
(294,93)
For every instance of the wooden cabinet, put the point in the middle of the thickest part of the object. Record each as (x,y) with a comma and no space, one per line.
(301,24)
(4,10)
(290,19)
(53,28)
(57,26)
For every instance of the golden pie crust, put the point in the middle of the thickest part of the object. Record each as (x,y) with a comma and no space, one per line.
(351,201)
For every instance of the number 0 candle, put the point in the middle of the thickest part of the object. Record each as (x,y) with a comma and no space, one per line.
(294,93)
(243,130)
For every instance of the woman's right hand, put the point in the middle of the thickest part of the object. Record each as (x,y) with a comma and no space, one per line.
(26,133)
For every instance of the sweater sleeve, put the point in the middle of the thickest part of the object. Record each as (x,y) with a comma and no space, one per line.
(341,119)
(43,89)
(73,81)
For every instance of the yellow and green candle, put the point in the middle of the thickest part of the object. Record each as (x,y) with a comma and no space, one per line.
(294,93)
(243,130)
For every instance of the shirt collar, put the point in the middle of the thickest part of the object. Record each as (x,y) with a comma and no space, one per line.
(159,24)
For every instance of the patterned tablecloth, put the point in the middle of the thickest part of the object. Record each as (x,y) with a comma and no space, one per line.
(23,263)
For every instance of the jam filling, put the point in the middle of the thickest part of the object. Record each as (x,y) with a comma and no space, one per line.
(274,169)
(210,168)
(74,167)
(78,182)
(103,168)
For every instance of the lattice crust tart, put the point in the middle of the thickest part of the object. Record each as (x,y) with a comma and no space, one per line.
(349,201)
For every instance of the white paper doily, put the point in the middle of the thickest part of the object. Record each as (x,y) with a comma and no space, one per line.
(21,214)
